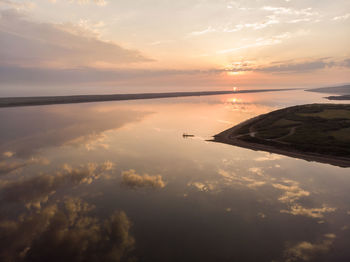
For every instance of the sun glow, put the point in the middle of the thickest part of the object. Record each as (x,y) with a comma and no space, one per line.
(234,100)
(234,73)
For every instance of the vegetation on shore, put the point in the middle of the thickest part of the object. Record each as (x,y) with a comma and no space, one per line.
(321,129)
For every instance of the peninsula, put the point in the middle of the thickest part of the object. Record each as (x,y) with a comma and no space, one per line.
(342,92)
(50,100)
(314,132)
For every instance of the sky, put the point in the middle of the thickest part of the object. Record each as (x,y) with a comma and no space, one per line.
(56,46)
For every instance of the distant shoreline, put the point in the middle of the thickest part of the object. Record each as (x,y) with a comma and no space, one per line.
(341,92)
(52,100)
(337,90)
(232,136)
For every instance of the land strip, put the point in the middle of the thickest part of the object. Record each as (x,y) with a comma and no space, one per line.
(50,100)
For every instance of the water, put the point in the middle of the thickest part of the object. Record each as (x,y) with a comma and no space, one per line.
(118,182)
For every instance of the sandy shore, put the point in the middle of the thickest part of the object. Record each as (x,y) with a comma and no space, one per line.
(230,137)
(50,100)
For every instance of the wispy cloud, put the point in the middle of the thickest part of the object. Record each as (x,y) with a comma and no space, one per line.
(342,17)
(38,76)
(259,42)
(298,210)
(203,32)
(291,11)
(292,67)
(277,15)
(289,192)
(84,2)
(19,5)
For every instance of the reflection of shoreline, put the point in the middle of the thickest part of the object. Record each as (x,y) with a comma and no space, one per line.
(231,137)
(50,100)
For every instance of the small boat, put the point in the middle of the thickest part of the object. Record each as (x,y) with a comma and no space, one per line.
(185,135)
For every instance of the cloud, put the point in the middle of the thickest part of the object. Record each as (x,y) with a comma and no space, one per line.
(41,76)
(83,2)
(133,180)
(66,231)
(291,15)
(17,5)
(292,191)
(207,186)
(271,20)
(203,32)
(256,170)
(298,67)
(8,154)
(262,41)
(268,157)
(306,251)
(16,75)
(346,63)
(250,181)
(37,190)
(97,2)
(342,17)
(290,11)
(90,142)
(298,210)
(26,43)
(7,167)
(291,67)
(280,15)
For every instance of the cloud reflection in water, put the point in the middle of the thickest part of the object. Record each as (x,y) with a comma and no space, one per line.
(65,232)
(133,180)
(27,133)
(36,190)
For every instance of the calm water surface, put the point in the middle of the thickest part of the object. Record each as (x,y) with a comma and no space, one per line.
(118,182)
